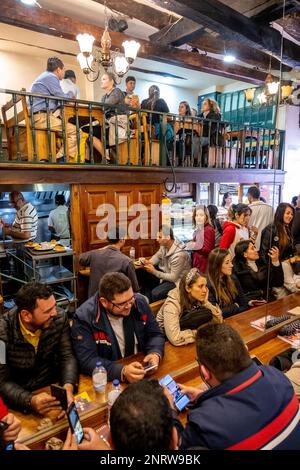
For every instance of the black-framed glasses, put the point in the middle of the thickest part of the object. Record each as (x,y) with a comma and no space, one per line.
(124,304)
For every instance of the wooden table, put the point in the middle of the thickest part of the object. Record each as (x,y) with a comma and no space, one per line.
(82,111)
(187,124)
(178,361)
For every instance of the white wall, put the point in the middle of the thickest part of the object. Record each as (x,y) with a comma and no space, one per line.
(170,93)
(20,70)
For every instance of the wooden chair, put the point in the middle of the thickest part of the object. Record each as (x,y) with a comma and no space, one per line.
(155,306)
(25,137)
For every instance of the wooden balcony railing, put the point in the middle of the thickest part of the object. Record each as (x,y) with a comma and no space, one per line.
(83,133)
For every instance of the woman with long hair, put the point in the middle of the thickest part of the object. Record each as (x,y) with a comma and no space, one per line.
(213,210)
(279,233)
(184,143)
(113,96)
(184,109)
(226,201)
(224,288)
(203,238)
(186,308)
(236,229)
(252,272)
(155,103)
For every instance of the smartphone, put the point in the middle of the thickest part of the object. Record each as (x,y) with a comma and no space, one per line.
(148,367)
(180,400)
(256,360)
(10,445)
(60,394)
(74,422)
(3,427)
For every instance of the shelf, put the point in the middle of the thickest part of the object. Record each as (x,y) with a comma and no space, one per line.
(54,274)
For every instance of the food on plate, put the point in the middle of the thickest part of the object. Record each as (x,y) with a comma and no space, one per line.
(31,244)
(59,248)
(44,246)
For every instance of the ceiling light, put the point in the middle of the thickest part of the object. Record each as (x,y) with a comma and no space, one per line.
(229,58)
(29,2)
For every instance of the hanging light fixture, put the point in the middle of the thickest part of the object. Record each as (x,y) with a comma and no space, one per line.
(262,98)
(91,59)
(271,85)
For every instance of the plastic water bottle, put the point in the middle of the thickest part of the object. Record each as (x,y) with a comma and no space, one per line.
(114,392)
(99,377)
(132,253)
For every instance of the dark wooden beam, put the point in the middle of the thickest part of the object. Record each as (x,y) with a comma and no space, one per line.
(291,24)
(232,25)
(178,33)
(274,13)
(144,13)
(48,22)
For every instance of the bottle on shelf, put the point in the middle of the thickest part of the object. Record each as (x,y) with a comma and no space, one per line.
(99,377)
(114,392)
(132,253)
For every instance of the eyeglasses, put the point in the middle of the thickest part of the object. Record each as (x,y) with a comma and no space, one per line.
(124,304)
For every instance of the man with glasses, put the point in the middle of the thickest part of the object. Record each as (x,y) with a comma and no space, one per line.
(113,324)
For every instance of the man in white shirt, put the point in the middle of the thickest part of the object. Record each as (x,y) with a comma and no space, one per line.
(58,221)
(24,227)
(262,213)
(69,84)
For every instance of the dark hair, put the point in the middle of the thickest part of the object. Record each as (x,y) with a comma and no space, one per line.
(115,234)
(254,192)
(284,231)
(27,296)
(238,209)
(154,94)
(206,213)
(296,267)
(70,74)
(167,231)
(213,210)
(239,250)
(141,418)
(224,287)
(188,279)
(60,199)
(16,195)
(54,63)
(113,283)
(188,111)
(294,201)
(130,78)
(225,196)
(221,349)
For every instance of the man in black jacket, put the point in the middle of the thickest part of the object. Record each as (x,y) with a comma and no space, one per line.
(38,351)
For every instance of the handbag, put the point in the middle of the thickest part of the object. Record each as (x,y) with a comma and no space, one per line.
(283,361)
(121,121)
(193,318)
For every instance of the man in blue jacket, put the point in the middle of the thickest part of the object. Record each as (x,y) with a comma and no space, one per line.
(246,407)
(113,324)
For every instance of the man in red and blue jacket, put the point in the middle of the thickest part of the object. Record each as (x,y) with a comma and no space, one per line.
(247,407)
(113,324)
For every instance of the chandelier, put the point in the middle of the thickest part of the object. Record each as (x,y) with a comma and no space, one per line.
(91,58)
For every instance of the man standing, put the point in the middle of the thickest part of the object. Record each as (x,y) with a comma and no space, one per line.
(109,259)
(165,268)
(24,227)
(113,324)
(262,213)
(38,351)
(69,84)
(58,221)
(128,93)
(48,83)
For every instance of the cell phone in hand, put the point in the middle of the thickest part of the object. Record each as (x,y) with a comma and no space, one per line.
(3,427)
(149,367)
(60,394)
(74,422)
(180,399)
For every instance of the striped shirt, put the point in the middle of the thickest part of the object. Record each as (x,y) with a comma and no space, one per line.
(26,220)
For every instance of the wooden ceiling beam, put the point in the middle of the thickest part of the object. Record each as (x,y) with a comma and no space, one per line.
(235,26)
(177,33)
(274,12)
(144,13)
(50,23)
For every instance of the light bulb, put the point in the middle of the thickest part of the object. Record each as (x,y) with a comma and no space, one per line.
(229,58)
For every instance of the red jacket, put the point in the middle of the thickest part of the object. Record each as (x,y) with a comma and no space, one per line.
(208,243)
(3,409)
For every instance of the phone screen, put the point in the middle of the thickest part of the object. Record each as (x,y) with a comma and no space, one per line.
(180,400)
(74,422)
(60,394)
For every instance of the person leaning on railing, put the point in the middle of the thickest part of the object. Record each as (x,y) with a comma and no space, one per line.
(48,83)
